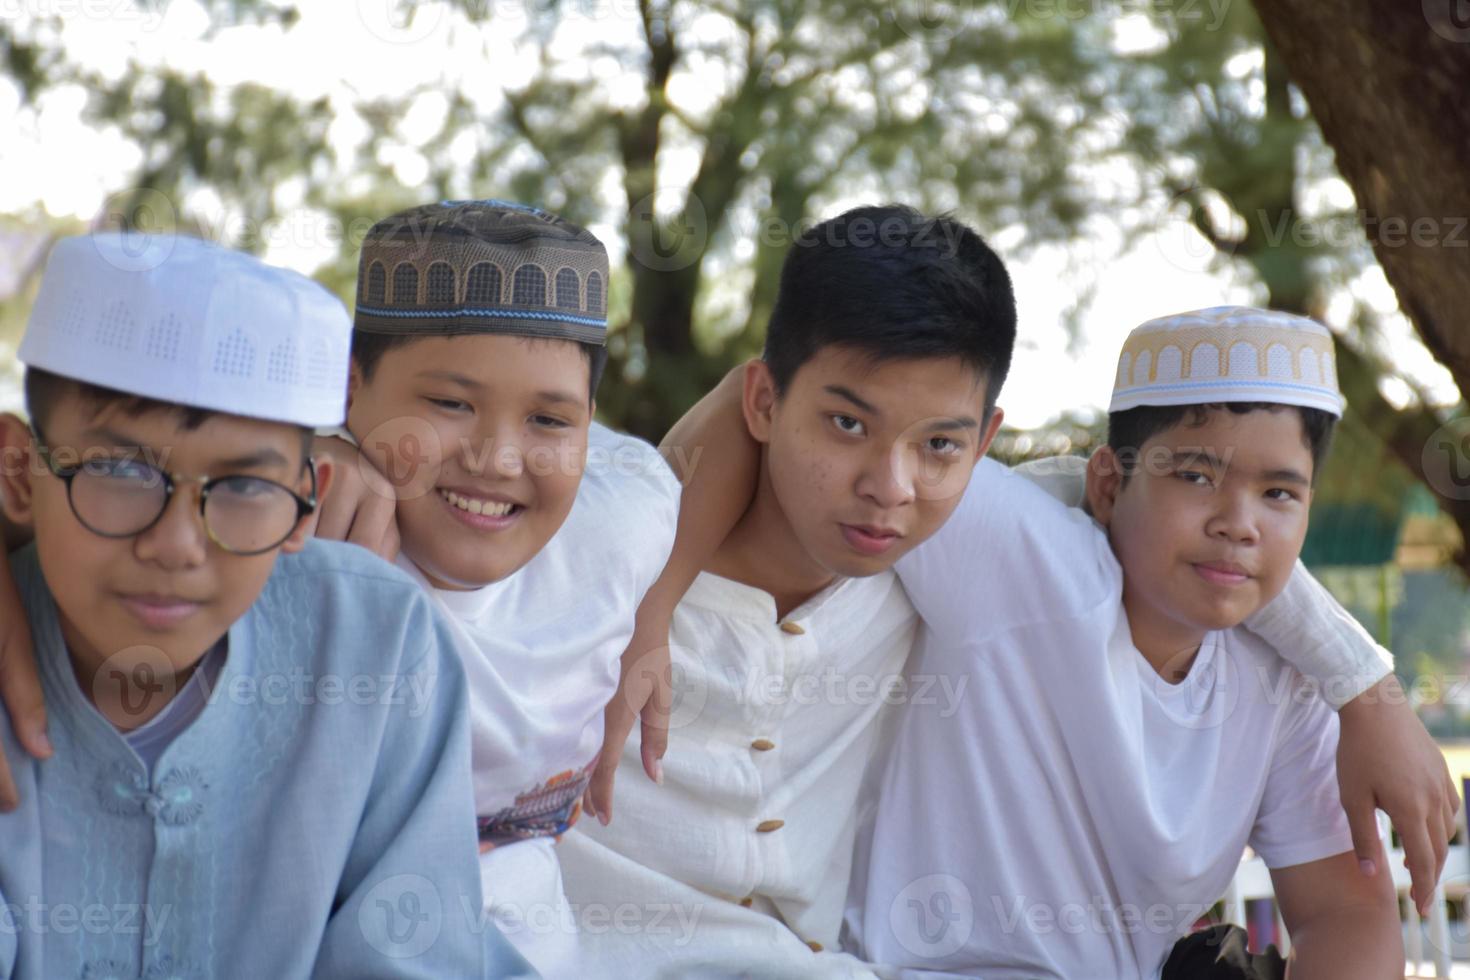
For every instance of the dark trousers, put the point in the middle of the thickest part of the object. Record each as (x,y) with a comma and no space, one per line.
(1219,953)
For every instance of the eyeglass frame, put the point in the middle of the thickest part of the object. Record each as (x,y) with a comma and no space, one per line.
(171,481)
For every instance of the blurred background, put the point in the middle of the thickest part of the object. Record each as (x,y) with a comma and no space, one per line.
(1129,158)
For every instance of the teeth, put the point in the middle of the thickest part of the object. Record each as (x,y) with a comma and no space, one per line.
(490,508)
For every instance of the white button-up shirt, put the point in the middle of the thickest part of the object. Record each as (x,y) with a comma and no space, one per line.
(773,727)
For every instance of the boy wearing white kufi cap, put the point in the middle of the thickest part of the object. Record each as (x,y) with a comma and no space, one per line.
(1126,738)
(260,743)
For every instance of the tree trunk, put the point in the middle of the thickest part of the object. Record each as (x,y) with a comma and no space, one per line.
(1387,81)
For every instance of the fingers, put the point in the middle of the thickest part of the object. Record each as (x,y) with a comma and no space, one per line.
(1419,858)
(9,798)
(1363,823)
(389,547)
(655,727)
(375,515)
(600,790)
(20,689)
(360,508)
(1440,835)
(617,725)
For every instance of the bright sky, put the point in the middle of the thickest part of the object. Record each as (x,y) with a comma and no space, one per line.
(357,51)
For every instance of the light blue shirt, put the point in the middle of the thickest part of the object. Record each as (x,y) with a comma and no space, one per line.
(315,820)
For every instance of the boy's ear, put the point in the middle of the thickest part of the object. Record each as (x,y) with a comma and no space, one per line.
(991,430)
(758,401)
(1104,483)
(17,455)
(354,381)
(306,527)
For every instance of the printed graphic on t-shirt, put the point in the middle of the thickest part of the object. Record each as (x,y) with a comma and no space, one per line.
(548,811)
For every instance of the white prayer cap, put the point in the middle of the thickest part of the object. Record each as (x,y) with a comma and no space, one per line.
(1228,354)
(181,320)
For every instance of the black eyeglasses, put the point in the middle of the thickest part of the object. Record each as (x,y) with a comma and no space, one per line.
(118,497)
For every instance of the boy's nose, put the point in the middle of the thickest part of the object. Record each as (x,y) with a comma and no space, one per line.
(177,539)
(888,480)
(1234,521)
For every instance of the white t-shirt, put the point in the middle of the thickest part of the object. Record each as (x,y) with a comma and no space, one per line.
(1077,813)
(541,648)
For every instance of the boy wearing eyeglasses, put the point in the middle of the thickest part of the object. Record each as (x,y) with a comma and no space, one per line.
(260,741)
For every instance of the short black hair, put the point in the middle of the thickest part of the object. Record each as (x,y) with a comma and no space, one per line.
(1129,430)
(894,284)
(45,390)
(368,349)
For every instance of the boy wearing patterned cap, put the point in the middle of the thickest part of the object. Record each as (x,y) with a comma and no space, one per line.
(1126,739)
(259,740)
(478,343)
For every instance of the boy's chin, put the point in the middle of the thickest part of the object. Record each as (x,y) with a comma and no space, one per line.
(460,572)
(859,566)
(1218,618)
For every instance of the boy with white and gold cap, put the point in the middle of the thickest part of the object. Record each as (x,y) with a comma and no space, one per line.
(1124,739)
(260,742)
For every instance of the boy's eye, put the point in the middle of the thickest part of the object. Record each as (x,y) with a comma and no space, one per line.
(549,422)
(1193,476)
(245,488)
(943,446)
(448,404)
(848,424)
(122,471)
(1280,494)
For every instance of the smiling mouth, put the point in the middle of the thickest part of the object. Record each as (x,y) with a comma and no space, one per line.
(480,506)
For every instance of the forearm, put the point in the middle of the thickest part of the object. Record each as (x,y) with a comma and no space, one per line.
(1354,944)
(1317,636)
(712,453)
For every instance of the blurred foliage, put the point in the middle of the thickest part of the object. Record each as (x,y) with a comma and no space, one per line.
(1036,125)
(801,104)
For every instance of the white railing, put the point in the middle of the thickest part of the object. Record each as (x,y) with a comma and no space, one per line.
(1253,882)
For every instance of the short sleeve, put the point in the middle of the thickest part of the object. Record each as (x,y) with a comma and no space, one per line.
(1301,818)
(1062,477)
(1008,556)
(636,486)
(1316,635)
